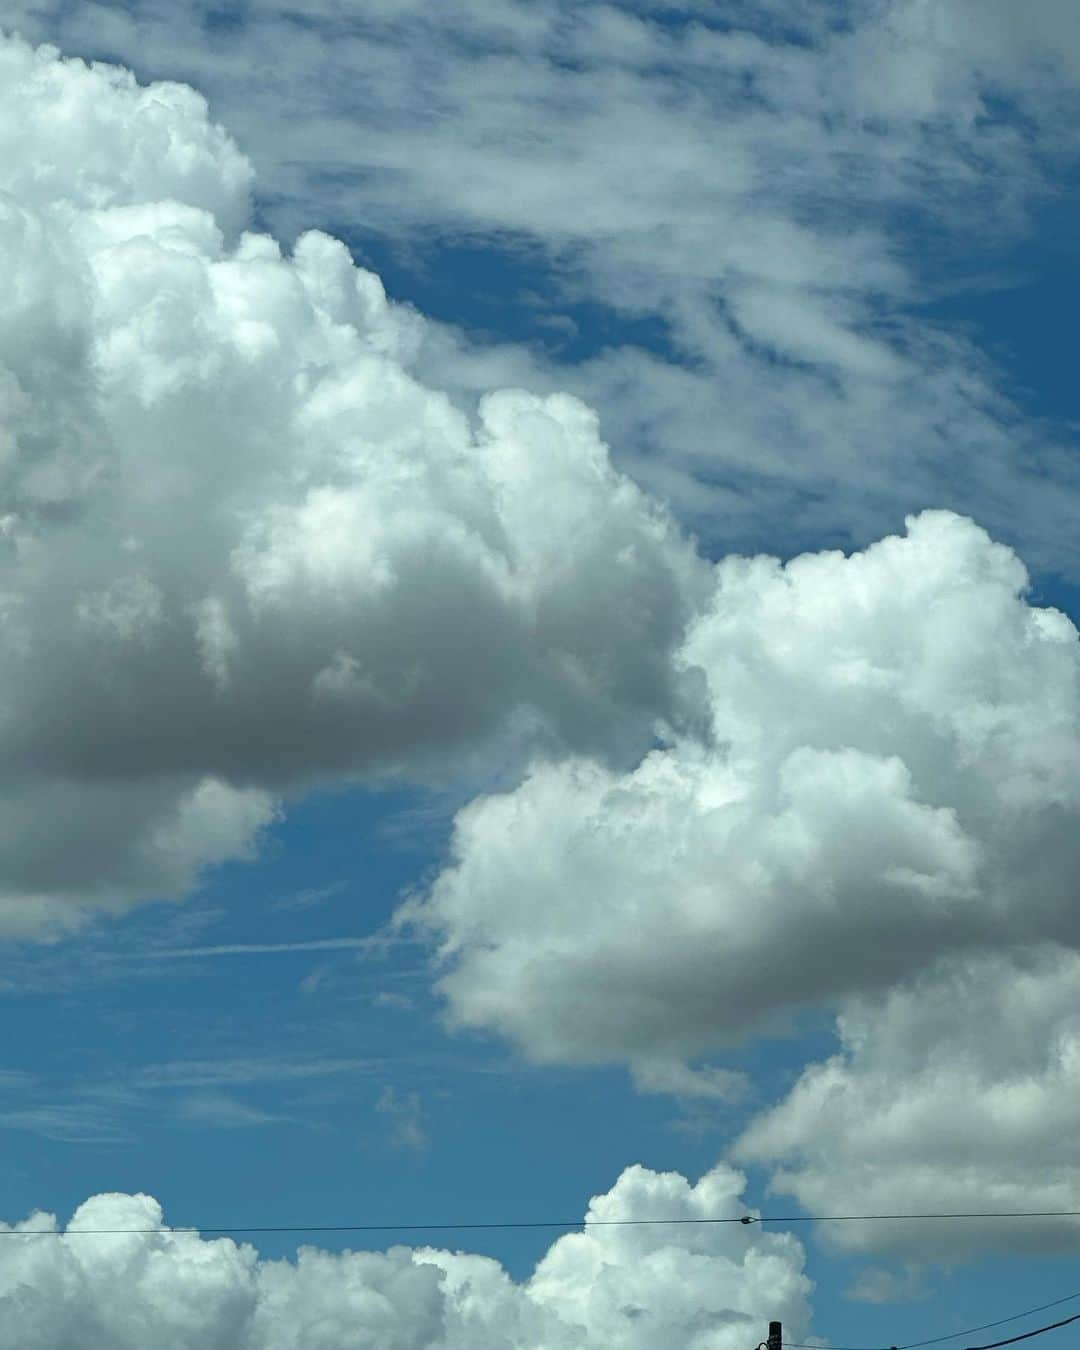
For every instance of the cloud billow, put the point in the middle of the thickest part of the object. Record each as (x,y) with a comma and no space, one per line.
(955,1092)
(701,1287)
(896,740)
(244,549)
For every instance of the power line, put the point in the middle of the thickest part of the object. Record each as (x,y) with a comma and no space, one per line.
(744,1219)
(356,1227)
(864,1218)
(1000,1322)
(625,1223)
(350,1227)
(1027,1334)
(968,1331)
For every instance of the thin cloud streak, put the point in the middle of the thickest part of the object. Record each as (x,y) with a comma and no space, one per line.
(263,948)
(233,1072)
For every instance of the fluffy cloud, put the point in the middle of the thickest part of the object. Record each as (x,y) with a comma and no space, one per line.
(895,773)
(694,1288)
(243,548)
(95,138)
(957,1092)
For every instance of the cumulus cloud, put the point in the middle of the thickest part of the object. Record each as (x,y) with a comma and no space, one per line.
(955,1093)
(893,775)
(692,1287)
(243,548)
(92,136)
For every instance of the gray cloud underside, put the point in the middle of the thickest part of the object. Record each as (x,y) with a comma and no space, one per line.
(244,549)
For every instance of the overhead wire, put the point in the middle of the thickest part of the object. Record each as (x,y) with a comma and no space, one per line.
(1027,1334)
(999,1322)
(863,1218)
(955,1335)
(744,1219)
(967,1331)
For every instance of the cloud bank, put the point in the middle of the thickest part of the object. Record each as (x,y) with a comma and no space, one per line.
(693,1287)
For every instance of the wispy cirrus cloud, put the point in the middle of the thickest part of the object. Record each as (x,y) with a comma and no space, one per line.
(311,897)
(220,1110)
(71,1122)
(365,944)
(15,1079)
(771,192)
(237,1072)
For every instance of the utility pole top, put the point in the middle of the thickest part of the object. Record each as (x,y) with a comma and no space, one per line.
(775,1336)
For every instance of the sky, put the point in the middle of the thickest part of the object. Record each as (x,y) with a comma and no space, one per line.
(538,601)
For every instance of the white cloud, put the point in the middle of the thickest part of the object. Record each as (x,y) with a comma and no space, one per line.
(894,774)
(92,136)
(877,1284)
(693,1287)
(218,1072)
(953,1093)
(262,948)
(312,896)
(1032,59)
(389,998)
(80,1122)
(15,1079)
(706,1082)
(222,1111)
(245,549)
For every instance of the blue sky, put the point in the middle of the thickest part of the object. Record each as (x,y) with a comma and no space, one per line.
(341,883)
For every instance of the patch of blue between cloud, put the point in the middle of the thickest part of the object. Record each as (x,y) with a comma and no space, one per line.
(225,19)
(779,22)
(502,290)
(1023,317)
(784,22)
(1014,294)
